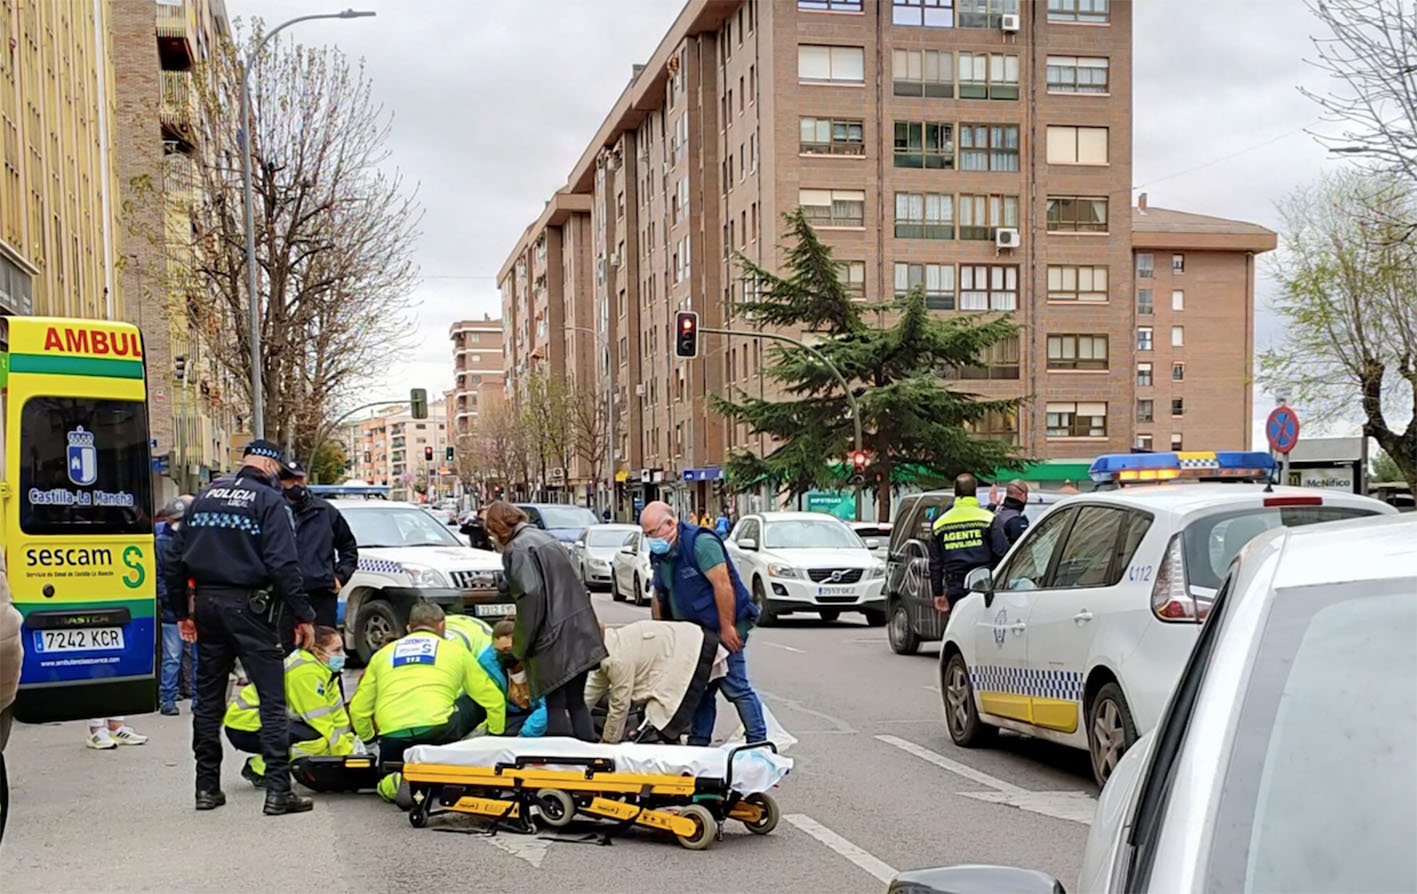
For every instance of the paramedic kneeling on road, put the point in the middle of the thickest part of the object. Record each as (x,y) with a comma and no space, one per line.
(695,581)
(963,539)
(423,689)
(319,723)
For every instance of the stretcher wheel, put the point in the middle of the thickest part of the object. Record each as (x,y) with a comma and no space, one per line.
(557,809)
(705,827)
(418,814)
(771,813)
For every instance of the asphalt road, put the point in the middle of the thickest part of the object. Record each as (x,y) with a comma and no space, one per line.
(878,787)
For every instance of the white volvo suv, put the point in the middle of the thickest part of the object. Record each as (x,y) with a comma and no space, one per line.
(807,561)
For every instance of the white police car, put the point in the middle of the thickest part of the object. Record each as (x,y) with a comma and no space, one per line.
(406,555)
(1083,628)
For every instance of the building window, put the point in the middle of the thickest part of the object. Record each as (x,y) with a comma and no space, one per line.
(1178,406)
(988,76)
(853,279)
(1178,299)
(1143,375)
(980,216)
(833,207)
(824,6)
(922,73)
(1144,338)
(924,145)
(1176,441)
(1178,263)
(1145,412)
(924,215)
(1178,336)
(998,361)
(1077,214)
(829,136)
(1077,352)
(1178,372)
(1146,266)
(1144,443)
(1077,420)
(1077,145)
(998,425)
(1077,74)
(830,65)
(938,281)
(1093,12)
(985,13)
(988,287)
(923,13)
(1083,284)
(988,147)
(1144,303)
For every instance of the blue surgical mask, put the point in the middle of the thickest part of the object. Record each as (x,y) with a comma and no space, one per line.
(658,545)
(335,662)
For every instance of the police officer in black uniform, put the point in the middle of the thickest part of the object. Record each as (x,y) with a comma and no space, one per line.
(236,547)
(329,554)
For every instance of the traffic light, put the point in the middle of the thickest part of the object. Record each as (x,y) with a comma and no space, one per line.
(686,334)
(858,460)
(418,399)
(428,454)
(179,367)
(449,453)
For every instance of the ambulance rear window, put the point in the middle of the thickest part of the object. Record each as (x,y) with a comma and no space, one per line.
(85,467)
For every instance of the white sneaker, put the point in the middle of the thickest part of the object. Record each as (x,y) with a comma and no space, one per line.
(125,735)
(101,740)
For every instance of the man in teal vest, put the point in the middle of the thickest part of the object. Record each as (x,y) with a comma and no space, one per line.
(695,581)
(963,539)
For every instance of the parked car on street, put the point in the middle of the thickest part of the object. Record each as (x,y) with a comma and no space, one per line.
(1286,756)
(564,521)
(875,535)
(806,561)
(631,576)
(594,550)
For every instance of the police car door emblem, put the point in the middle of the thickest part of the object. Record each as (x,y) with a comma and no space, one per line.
(999,620)
(82,457)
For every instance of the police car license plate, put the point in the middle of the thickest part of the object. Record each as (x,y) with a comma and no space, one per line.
(80,639)
(836,591)
(495,609)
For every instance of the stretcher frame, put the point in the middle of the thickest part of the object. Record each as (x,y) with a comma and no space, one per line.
(526,796)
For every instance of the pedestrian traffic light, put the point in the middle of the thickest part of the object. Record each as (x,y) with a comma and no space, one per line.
(686,334)
(418,400)
(428,454)
(449,453)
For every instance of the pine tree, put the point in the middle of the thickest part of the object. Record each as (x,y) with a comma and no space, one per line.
(913,421)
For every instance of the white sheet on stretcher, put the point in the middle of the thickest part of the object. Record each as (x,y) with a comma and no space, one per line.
(753,771)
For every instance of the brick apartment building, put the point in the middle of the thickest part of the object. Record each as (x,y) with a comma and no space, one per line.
(980,148)
(478,359)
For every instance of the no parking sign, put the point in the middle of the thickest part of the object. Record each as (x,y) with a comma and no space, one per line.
(1282,429)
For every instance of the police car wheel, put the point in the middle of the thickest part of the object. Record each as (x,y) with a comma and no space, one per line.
(766,616)
(961,716)
(377,621)
(901,635)
(1110,730)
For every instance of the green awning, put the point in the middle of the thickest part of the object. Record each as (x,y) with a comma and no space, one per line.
(1049,470)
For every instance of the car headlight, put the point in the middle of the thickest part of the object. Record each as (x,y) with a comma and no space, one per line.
(776,570)
(875,571)
(423,576)
(599,564)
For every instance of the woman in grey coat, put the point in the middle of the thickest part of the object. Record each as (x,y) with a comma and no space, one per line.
(557,636)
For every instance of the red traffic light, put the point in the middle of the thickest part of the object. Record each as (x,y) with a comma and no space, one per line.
(858,460)
(686,335)
(428,454)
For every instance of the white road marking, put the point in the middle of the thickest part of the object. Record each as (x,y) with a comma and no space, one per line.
(953,766)
(932,688)
(768,642)
(530,848)
(867,639)
(883,872)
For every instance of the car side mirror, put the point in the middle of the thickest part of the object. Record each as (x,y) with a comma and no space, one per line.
(981,580)
(976,879)
(872,543)
(748,543)
(627,550)
(580,544)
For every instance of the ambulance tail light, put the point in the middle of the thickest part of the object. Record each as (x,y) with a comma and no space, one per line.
(1171,599)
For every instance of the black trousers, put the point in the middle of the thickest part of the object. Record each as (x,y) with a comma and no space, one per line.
(467,714)
(324,602)
(566,711)
(250,742)
(227,630)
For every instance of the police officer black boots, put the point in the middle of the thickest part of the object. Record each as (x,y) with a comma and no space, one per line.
(278,803)
(210,800)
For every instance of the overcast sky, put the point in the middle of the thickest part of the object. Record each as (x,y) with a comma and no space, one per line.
(494,101)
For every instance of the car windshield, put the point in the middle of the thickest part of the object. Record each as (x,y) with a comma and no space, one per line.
(376,526)
(603,535)
(809,534)
(1211,542)
(1317,794)
(567,516)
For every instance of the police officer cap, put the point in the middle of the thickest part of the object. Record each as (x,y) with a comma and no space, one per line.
(293,469)
(262,447)
(173,509)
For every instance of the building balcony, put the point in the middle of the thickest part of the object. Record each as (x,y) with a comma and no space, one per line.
(176,27)
(178,103)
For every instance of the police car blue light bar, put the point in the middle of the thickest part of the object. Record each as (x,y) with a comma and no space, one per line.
(1136,468)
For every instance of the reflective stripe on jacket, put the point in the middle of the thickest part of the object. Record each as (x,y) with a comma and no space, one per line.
(312,694)
(472,632)
(961,540)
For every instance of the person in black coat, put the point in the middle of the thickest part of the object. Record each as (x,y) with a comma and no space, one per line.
(557,636)
(329,554)
(475,530)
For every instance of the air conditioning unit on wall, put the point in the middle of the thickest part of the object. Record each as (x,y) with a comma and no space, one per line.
(1009,22)
(1006,237)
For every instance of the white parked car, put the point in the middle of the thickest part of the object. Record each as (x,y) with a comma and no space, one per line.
(594,550)
(1286,757)
(631,576)
(875,535)
(1085,625)
(405,555)
(806,561)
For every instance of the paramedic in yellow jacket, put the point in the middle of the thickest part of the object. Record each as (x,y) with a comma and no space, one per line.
(424,689)
(319,723)
(473,633)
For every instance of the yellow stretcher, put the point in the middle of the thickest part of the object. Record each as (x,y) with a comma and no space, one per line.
(550,791)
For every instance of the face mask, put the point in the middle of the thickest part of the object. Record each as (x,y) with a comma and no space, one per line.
(296,493)
(507,658)
(335,662)
(658,545)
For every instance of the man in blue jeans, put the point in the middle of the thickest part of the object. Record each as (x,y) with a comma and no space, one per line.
(172,645)
(695,581)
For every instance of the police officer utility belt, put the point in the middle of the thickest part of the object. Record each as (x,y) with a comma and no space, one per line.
(261,602)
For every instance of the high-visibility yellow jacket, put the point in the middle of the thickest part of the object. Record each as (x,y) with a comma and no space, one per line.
(472,632)
(411,684)
(312,694)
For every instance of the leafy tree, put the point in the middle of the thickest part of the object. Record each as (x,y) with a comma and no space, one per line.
(914,423)
(1384,469)
(328,464)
